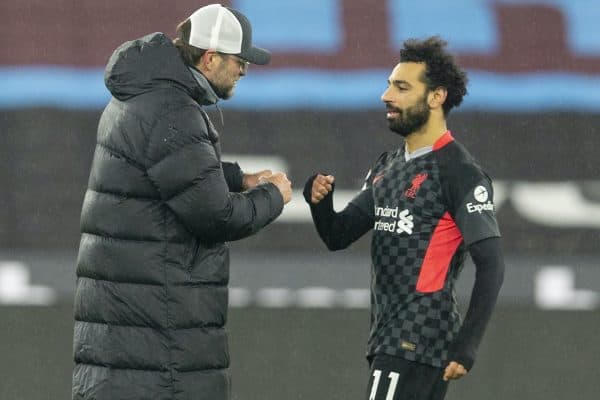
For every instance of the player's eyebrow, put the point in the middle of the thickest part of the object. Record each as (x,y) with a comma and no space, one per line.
(399,82)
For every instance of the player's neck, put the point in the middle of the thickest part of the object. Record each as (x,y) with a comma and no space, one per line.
(427,135)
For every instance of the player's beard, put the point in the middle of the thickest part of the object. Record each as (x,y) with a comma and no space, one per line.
(223,84)
(223,91)
(410,119)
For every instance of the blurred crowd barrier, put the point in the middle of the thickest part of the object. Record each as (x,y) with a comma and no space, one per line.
(545,168)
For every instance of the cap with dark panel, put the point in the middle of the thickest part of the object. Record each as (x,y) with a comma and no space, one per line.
(227,31)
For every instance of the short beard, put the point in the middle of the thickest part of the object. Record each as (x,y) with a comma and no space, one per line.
(221,90)
(410,119)
(222,93)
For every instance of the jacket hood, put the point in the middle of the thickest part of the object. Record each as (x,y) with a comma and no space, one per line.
(150,63)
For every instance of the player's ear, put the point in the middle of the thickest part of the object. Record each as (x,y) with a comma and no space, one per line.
(437,97)
(208,61)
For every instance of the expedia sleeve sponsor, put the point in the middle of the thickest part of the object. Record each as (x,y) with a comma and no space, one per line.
(475,214)
(482,202)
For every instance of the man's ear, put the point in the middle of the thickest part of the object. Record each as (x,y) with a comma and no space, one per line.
(437,97)
(207,61)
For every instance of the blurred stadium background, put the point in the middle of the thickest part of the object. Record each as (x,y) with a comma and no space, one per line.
(299,314)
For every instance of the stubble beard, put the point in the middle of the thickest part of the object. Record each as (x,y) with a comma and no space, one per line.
(223,92)
(410,119)
(220,85)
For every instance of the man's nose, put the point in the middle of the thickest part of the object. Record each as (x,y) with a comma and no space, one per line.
(385,96)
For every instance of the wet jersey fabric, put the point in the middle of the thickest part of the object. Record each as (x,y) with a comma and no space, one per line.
(425,212)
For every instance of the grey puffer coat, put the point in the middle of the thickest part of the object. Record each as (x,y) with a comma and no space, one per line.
(153,266)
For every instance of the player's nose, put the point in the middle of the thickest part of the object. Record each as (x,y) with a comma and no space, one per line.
(385,96)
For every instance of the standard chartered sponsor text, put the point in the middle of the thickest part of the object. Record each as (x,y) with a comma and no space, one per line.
(402,220)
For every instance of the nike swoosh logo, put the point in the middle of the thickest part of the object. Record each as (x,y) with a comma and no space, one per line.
(377,178)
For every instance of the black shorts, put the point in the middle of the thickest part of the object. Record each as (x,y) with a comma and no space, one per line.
(394,378)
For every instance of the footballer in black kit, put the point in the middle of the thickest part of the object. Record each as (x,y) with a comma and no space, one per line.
(428,203)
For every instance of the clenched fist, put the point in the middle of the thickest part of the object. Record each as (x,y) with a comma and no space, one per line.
(251,180)
(454,370)
(282,182)
(321,187)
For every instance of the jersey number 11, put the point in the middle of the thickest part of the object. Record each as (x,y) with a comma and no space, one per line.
(391,389)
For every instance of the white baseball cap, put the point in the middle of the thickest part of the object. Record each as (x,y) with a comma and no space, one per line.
(227,31)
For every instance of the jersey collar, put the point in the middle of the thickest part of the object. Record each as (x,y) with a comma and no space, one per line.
(417,153)
(443,140)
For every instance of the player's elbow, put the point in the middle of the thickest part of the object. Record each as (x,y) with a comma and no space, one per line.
(335,245)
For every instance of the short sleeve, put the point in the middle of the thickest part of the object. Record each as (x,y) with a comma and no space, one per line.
(471,203)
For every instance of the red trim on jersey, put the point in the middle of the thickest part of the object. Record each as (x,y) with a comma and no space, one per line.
(443,140)
(443,244)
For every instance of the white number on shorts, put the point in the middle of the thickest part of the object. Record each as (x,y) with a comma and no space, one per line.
(391,389)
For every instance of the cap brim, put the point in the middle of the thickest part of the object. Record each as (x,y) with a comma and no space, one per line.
(256,55)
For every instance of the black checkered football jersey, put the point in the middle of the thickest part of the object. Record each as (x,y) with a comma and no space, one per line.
(425,212)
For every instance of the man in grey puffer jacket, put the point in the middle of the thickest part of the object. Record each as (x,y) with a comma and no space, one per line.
(153,266)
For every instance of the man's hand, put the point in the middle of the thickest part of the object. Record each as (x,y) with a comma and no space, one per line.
(282,182)
(251,180)
(454,370)
(321,187)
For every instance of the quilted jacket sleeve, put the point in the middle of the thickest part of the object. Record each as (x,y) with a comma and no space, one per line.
(233,175)
(184,167)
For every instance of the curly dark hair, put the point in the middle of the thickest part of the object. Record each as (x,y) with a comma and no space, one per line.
(441,69)
(190,54)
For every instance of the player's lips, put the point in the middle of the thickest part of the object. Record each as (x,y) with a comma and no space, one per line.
(392,113)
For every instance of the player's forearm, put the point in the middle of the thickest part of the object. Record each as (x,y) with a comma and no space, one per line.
(336,230)
(489,264)
(339,230)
